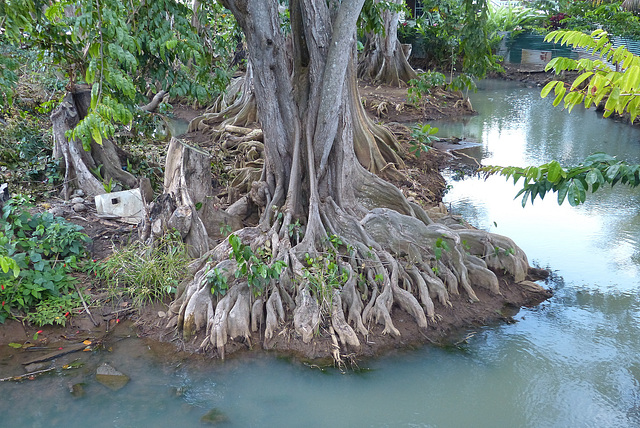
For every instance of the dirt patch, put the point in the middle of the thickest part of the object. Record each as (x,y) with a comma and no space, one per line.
(390,104)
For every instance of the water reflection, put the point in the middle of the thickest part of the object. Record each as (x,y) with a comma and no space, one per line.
(597,242)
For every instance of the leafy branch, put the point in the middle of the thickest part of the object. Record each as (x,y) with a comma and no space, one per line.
(571,183)
(597,83)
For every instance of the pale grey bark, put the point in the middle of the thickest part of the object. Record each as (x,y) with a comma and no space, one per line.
(305,102)
(384,60)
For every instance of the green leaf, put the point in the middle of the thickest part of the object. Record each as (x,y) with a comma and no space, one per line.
(15,345)
(562,192)
(97,136)
(555,172)
(592,177)
(580,79)
(560,91)
(612,171)
(548,87)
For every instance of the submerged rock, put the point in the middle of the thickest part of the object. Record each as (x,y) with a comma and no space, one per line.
(110,377)
(214,417)
(77,390)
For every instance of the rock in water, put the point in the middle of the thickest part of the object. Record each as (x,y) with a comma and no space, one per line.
(214,417)
(110,377)
(77,390)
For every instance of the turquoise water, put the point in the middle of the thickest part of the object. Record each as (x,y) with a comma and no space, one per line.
(571,362)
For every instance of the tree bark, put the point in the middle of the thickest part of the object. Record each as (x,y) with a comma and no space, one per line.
(79,164)
(311,124)
(384,60)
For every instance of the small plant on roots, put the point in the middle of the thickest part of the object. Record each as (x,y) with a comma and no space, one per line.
(324,275)
(440,245)
(255,266)
(423,137)
(145,273)
(218,282)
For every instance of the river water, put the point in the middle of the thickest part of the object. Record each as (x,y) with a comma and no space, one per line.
(571,362)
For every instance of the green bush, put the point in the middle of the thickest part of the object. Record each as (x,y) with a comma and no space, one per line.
(46,251)
(513,18)
(423,85)
(423,137)
(587,16)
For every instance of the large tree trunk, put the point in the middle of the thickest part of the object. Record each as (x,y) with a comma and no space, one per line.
(384,60)
(79,164)
(305,102)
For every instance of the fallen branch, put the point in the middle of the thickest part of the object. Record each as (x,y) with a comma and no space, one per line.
(155,102)
(58,353)
(27,375)
(86,308)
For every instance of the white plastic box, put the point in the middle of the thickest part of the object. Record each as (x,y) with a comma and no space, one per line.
(126,206)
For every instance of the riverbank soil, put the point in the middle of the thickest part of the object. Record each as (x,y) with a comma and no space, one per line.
(422,183)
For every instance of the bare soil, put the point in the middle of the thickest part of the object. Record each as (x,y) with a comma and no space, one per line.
(423,183)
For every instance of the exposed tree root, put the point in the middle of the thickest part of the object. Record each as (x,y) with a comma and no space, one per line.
(399,268)
(235,107)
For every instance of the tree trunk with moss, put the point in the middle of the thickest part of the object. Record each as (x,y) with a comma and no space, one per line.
(321,209)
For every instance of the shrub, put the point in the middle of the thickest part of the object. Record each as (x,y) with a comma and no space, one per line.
(44,250)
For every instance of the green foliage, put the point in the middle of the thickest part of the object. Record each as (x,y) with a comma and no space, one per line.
(25,153)
(144,273)
(609,16)
(437,31)
(323,274)
(218,282)
(255,266)
(572,183)
(477,58)
(451,32)
(512,18)
(440,245)
(295,231)
(462,82)
(38,254)
(225,229)
(551,7)
(121,49)
(371,20)
(423,137)
(597,83)
(55,310)
(15,20)
(422,86)
(224,34)
(8,79)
